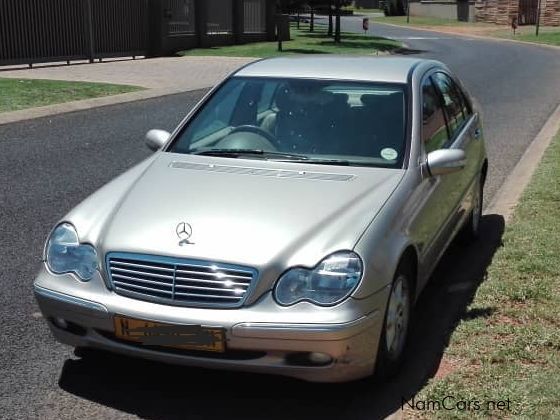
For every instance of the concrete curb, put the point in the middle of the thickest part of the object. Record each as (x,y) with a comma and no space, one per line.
(510,192)
(508,195)
(159,76)
(482,37)
(50,110)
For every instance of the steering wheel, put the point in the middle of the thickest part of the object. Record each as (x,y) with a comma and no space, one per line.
(248,137)
(255,129)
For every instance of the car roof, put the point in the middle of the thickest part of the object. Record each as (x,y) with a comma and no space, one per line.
(364,68)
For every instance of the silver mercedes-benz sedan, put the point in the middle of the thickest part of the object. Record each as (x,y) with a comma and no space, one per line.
(286,226)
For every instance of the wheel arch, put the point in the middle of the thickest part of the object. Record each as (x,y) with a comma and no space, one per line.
(410,257)
(484,171)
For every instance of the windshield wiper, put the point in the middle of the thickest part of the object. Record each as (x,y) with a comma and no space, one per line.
(244,152)
(327,162)
(276,156)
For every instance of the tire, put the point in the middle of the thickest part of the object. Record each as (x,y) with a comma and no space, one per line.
(396,325)
(471,230)
(89,353)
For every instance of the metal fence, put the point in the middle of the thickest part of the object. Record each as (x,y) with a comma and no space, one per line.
(528,10)
(30,29)
(119,27)
(183,14)
(34,31)
(219,17)
(254,16)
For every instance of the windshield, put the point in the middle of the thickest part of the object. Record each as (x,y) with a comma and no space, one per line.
(324,122)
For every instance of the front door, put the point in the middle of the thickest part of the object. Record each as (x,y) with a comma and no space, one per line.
(446,124)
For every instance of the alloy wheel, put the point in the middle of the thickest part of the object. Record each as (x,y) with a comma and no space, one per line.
(396,326)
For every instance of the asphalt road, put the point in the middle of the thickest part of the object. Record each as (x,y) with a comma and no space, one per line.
(48,165)
(517,85)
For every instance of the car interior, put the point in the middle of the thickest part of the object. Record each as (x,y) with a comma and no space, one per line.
(356,121)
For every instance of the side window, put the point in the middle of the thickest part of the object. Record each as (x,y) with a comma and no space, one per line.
(452,102)
(434,129)
(467,107)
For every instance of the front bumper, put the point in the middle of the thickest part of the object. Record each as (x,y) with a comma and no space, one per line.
(262,338)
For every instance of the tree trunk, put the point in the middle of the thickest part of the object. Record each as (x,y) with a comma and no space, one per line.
(312,21)
(330,32)
(337,22)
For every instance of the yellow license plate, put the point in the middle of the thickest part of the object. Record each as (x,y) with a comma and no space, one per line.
(188,337)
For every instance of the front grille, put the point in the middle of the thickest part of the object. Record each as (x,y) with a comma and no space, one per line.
(179,281)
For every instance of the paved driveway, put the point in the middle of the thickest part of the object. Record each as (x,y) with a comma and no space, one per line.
(180,73)
(48,165)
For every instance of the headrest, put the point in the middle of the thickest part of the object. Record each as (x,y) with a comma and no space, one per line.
(371,100)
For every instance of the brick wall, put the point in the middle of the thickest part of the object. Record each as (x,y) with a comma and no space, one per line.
(550,12)
(502,12)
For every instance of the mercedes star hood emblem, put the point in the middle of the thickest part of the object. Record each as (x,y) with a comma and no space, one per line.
(184,232)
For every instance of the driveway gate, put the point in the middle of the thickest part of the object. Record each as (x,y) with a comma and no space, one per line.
(56,30)
(528,12)
(33,31)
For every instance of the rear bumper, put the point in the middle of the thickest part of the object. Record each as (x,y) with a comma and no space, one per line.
(347,349)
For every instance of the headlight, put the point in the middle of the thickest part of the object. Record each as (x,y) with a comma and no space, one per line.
(330,282)
(65,254)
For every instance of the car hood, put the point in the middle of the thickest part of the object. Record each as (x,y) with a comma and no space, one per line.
(262,214)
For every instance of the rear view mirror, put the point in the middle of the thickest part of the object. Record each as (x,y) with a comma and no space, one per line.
(156,139)
(445,161)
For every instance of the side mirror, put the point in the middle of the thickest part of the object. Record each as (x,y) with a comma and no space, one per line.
(156,139)
(445,161)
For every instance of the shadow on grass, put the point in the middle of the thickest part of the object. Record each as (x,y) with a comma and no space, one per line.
(345,36)
(159,391)
(406,51)
(304,51)
(369,45)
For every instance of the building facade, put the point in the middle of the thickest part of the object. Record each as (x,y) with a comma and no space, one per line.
(501,12)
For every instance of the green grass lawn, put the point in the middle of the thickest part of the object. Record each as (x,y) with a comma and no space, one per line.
(419,21)
(514,352)
(548,35)
(364,10)
(552,38)
(429,22)
(16,94)
(304,42)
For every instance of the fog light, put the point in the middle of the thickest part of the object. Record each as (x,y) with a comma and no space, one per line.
(308,359)
(60,322)
(320,358)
